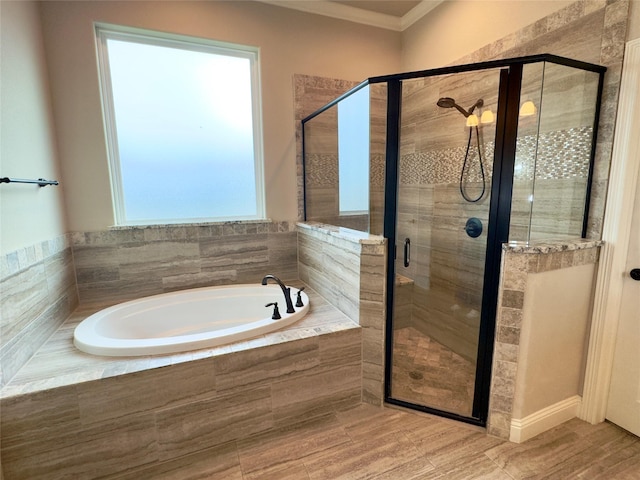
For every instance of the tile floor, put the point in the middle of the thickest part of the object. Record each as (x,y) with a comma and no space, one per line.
(426,372)
(368,442)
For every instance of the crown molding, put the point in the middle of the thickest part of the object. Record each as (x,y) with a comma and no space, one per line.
(417,12)
(358,15)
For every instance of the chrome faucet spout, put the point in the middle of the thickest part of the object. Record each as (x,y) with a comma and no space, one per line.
(285,290)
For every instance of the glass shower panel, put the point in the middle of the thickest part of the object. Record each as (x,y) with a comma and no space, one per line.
(567,113)
(447,139)
(345,149)
(553,153)
(526,147)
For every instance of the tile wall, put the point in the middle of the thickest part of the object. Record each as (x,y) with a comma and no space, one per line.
(310,94)
(593,31)
(348,269)
(321,150)
(131,262)
(38,293)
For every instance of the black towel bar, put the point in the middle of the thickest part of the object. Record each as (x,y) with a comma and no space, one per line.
(40,182)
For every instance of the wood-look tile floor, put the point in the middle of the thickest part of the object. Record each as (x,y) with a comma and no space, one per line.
(426,372)
(369,442)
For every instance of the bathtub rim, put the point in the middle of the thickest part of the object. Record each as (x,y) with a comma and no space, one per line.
(112,347)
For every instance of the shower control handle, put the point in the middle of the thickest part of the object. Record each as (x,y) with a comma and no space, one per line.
(635,274)
(407,252)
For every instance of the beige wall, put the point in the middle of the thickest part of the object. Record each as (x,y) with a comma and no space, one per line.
(553,340)
(459,27)
(28,213)
(290,42)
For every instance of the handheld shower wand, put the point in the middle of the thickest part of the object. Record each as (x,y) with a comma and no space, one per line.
(448,102)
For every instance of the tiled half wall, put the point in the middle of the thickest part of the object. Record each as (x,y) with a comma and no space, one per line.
(348,268)
(132,262)
(541,335)
(38,293)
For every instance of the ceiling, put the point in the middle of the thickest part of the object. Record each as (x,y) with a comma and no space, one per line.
(390,14)
(397,8)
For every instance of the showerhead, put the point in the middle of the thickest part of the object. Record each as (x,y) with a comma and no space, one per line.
(448,102)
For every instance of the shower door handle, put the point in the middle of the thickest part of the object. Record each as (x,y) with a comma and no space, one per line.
(407,252)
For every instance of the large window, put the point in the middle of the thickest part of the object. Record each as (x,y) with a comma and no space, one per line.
(183,127)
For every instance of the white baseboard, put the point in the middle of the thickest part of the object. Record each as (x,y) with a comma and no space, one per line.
(545,419)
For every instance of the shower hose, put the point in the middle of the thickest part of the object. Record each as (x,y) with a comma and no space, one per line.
(464,167)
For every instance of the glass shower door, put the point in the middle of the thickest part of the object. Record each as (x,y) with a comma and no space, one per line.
(447,139)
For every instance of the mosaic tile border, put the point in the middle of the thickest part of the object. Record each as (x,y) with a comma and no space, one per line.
(549,156)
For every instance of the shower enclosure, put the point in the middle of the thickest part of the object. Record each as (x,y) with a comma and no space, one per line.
(449,164)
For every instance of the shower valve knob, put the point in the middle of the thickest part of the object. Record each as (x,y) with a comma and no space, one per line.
(635,274)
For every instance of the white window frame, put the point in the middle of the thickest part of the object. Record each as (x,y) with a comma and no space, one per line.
(105,32)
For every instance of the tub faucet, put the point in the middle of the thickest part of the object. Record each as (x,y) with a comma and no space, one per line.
(285,290)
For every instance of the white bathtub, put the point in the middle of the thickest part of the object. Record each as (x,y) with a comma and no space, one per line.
(186,320)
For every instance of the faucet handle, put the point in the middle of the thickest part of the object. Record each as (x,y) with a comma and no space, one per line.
(276,312)
(299,299)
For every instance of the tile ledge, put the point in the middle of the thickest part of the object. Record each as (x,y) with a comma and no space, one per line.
(344,233)
(191,224)
(551,246)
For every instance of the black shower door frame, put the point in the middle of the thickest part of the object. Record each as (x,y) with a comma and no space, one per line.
(499,210)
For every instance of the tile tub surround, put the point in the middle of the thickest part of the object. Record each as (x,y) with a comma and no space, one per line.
(125,263)
(38,293)
(348,268)
(519,263)
(70,414)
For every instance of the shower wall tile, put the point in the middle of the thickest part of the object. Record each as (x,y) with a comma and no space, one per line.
(518,262)
(310,94)
(589,30)
(38,293)
(127,263)
(321,150)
